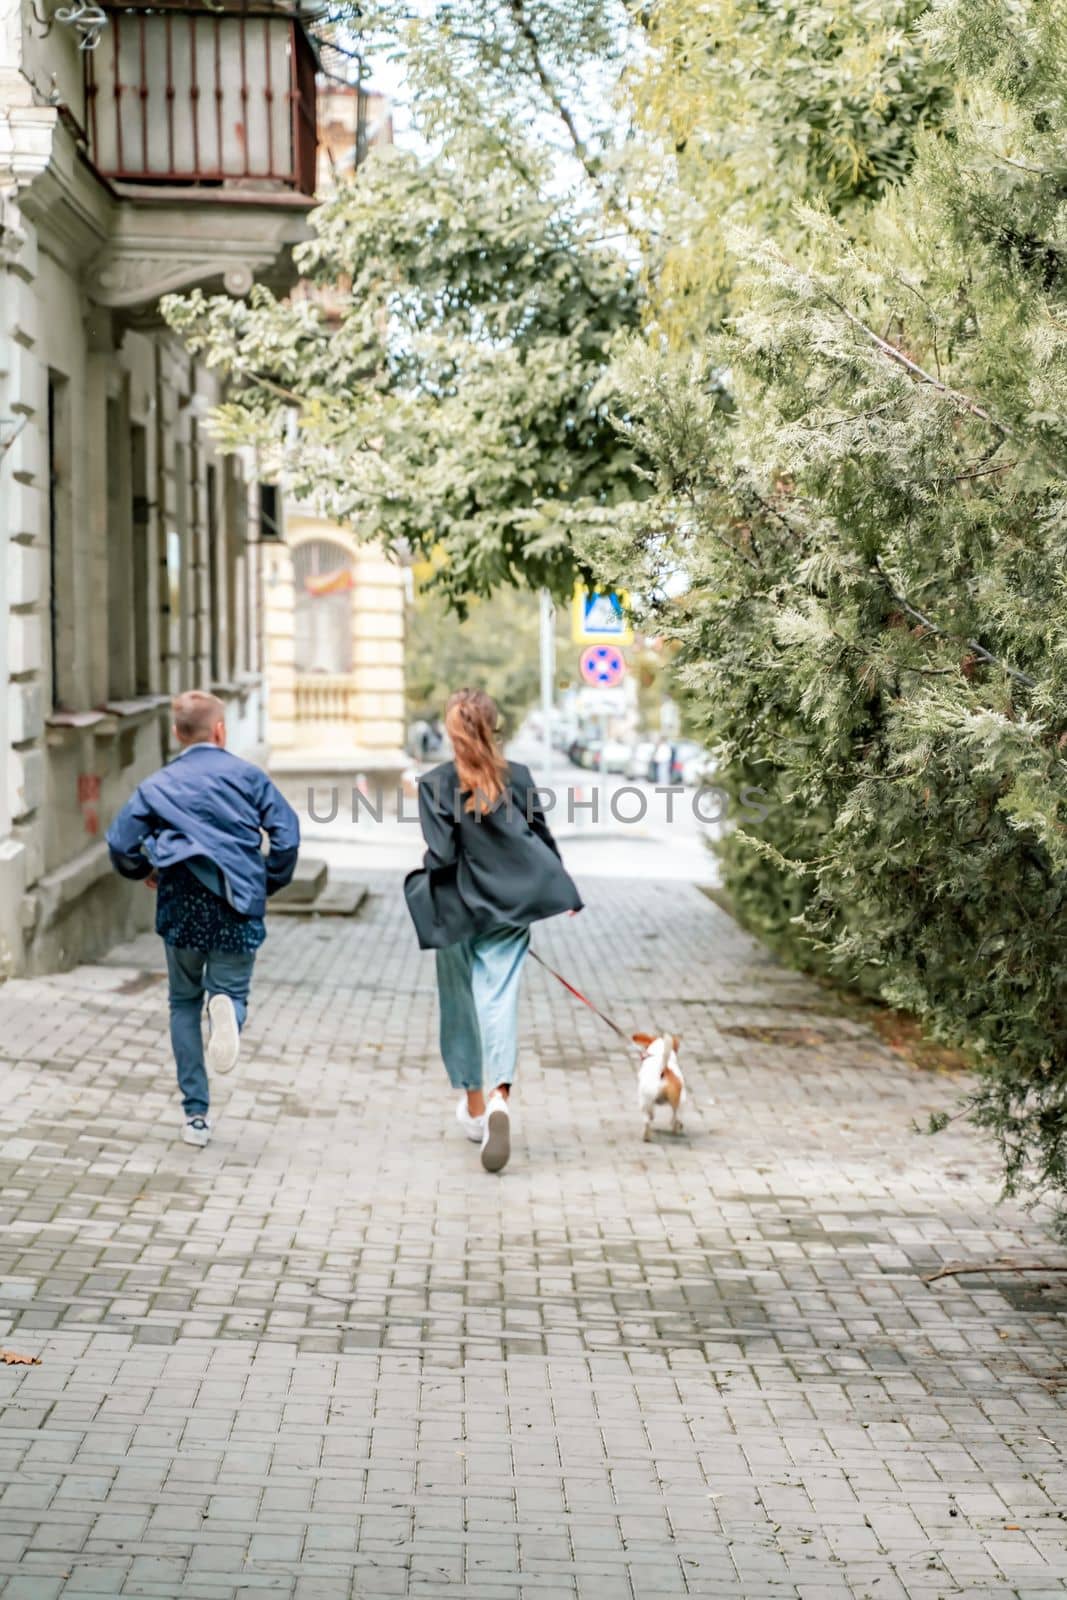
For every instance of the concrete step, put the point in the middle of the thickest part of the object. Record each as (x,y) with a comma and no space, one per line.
(309,880)
(341,897)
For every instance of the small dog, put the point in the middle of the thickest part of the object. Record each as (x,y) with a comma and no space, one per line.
(660,1081)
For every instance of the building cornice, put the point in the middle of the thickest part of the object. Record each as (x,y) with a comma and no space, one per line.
(68,206)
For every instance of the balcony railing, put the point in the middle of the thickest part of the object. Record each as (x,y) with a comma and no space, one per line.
(185,95)
(323,697)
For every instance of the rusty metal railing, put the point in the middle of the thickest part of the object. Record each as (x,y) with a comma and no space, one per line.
(187,95)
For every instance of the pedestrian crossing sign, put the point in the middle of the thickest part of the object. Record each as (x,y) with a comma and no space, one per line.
(599,616)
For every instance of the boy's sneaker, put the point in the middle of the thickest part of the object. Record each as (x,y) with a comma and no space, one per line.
(496,1140)
(473,1127)
(197,1131)
(224,1044)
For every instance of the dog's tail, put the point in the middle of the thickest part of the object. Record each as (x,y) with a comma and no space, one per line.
(672,1087)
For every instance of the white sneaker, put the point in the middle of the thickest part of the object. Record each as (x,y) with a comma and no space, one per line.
(197,1131)
(473,1127)
(224,1043)
(496,1140)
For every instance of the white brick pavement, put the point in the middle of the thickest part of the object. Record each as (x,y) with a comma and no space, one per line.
(329,1356)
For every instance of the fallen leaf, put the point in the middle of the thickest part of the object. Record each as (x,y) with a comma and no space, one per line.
(11,1358)
(1012,1527)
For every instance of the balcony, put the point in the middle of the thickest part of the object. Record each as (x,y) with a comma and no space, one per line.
(325,705)
(189,161)
(220,99)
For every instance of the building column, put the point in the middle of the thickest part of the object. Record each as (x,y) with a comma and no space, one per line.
(378,653)
(279,659)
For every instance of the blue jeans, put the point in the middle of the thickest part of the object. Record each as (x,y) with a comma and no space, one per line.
(194,974)
(478,991)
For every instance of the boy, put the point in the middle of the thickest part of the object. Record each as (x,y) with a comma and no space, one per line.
(194,832)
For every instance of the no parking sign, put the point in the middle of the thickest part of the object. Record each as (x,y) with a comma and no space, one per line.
(602,665)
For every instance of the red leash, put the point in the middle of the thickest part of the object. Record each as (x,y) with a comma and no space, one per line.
(578,995)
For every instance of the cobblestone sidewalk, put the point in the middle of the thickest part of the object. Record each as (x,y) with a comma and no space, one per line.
(329,1356)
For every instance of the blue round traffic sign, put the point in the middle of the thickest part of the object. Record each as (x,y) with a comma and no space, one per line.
(602,665)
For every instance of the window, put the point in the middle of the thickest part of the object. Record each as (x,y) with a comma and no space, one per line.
(322,607)
(129,554)
(140,524)
(269,524)
(215,558)
(250,572)
(197,662)
(173,588)
(60,546)
(119,555)
(234,556)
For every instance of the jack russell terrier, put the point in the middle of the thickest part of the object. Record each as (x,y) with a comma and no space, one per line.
(659,1080)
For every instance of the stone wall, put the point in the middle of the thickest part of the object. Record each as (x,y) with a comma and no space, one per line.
(129,570)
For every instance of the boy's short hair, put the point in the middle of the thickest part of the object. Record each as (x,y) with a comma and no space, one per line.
(196,714)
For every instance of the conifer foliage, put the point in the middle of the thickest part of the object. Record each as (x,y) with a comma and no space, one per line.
(863,479)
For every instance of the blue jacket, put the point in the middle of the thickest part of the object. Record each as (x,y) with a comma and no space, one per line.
(209,806)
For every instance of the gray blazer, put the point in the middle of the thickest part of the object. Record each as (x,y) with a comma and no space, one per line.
(502,869)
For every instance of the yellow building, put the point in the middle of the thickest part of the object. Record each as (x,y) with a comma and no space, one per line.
(334,608)
(334,648)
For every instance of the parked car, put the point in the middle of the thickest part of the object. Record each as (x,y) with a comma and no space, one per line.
(614,756)
(698,769)
(640,761)
(591,754)
(575,750)
(683,753)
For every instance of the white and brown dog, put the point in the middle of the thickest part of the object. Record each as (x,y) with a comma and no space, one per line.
(660,1081)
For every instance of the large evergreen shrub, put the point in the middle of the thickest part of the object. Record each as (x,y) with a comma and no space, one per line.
(863,479)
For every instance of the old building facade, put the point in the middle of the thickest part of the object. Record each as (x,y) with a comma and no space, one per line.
(179,151)
(334,651)
(335,606)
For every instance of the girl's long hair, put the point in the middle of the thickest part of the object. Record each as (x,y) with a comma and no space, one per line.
(471,719)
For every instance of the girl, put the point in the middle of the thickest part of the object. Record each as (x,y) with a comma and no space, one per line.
(491,868)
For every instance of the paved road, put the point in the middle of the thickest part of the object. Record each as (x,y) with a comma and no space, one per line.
(329,1356)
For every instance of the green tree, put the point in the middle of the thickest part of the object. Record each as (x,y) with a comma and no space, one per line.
(495,649)
(450,390)
(871,515)
(750,106)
